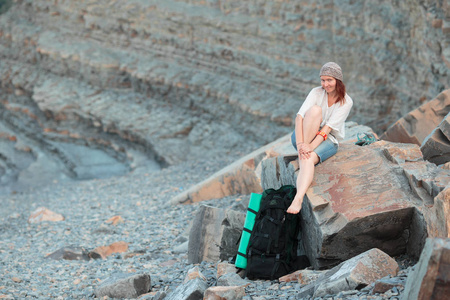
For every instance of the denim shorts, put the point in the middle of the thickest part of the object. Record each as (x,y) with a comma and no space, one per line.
(324,151)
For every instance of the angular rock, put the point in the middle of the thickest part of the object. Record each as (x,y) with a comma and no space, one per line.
(354,273)
(444,126)
(431,276)
(70,253)
(232,279)
(214,234)
(302,276)
(124,286)
(419,123)
(385,284)
(105,251)
(224,292)
(225,268)
(193,289)
(115,220)
(381,195)
(43,214)
(436,148)
(194,273)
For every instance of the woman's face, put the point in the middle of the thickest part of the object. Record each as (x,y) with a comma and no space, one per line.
(328,83)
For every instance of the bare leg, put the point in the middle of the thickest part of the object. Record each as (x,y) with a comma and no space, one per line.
(311,124)
(304,179)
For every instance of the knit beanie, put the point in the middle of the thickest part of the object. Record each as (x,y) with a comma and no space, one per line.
(332,69)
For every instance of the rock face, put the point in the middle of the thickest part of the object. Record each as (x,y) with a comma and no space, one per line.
(430,279)
(127,84)
(214,234)
(415,126)
(382,195)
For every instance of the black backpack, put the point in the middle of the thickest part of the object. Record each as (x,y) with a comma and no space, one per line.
(272,248)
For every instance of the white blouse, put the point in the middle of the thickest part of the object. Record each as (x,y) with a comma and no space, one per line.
(333,116)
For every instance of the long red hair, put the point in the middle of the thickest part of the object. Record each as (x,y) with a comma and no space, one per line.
(340,91)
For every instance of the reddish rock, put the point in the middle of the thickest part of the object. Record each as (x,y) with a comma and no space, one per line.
(383,285)
(42,214)
(194,273)
(430,279)
(115,220)
(224,293)
(302,276)
(382,195)
(419,123)
(105,251)
(225,268)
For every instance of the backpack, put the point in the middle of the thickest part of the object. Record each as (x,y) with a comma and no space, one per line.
(272,248)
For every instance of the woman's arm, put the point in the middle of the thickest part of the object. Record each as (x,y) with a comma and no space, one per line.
(319,139)
(299,129)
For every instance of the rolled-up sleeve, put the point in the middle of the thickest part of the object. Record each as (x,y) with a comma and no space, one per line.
(337,120)
(310,100)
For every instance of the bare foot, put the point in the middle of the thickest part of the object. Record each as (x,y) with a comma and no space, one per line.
(295,207)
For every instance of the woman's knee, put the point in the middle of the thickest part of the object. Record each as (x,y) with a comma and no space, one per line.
(314,111)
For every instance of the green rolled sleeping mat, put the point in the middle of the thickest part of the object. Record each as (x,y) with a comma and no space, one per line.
(252,211)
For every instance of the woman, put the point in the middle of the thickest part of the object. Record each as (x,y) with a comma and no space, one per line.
(319,124)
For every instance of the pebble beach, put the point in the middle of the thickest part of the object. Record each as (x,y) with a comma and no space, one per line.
(156,233)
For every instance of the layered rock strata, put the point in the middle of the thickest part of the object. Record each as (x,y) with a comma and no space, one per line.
(129,83)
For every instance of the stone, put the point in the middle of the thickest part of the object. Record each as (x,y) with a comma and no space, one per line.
(436,148)
(43,214)
(193,289)
(194,273)
(352,274)
(225,268)
(105,251)
(181,248)
(214,234)
(124,286)
(224,292)
(431,276)
(232,279)
(385,284)
(381,195)
(419,123)
(302,276)
(115,220)
(444,126)
(70,253)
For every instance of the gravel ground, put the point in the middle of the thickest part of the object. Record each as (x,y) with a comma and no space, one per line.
(151,227)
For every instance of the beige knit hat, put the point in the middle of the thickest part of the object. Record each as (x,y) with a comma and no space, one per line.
(332,69)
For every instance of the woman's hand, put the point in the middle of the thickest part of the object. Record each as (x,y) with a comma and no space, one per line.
(304,150)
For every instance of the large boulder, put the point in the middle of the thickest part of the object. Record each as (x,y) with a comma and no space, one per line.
(431,276)
(378,196)
(419,123)
(355,273)
(243,176)
(214,234)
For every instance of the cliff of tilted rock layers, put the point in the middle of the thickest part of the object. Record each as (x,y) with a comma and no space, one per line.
(97,88)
